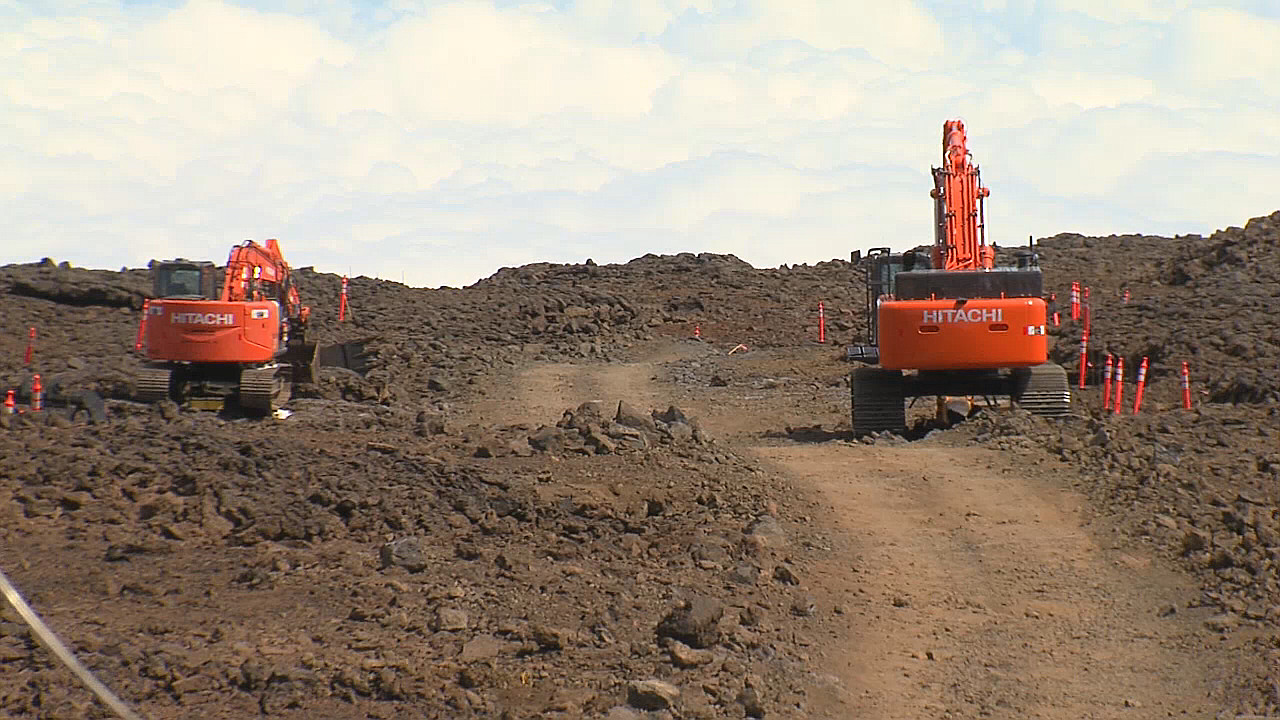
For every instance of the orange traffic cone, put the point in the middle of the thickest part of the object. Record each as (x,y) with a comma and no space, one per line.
(8,403)
(37,395)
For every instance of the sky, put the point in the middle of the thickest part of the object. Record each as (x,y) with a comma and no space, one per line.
(435,141)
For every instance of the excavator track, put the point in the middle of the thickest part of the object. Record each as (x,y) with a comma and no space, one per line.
(1043,390)
(878,401)
(262,390)
(154,384)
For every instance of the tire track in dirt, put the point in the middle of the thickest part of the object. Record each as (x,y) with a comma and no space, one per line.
(975,590)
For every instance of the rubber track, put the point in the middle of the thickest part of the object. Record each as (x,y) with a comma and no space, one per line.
(262,389)
(878,402)
(153,384)
(1046,391)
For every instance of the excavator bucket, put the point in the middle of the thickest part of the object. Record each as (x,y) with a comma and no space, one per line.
(302,356)
(952,410)
(349,355)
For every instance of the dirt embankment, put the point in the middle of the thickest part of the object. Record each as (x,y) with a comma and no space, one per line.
(438,537)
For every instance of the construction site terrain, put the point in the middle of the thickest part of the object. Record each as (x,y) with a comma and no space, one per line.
(541,496)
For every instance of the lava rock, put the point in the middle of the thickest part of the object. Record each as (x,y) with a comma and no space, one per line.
(693,622)
(633,418)
(449,620)
(548,438)
(551,638)
(686,657)
(406,553)
(767,532)
(652,695)
(673,414)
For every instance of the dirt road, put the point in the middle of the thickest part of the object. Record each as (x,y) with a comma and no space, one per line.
(968,587)
(978,589)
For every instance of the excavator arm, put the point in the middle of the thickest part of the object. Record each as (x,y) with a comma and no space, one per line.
(960,232)
(255,272)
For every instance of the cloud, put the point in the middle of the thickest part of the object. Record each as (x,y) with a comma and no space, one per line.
(446,138)
(1223,49)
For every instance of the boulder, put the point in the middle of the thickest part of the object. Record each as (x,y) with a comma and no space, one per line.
(652,695)
(693,622)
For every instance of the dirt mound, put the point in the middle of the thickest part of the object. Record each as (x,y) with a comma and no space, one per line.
(1205,301)
(77,287)
(1210,476)
(380,550)
(430,578)
(421,345)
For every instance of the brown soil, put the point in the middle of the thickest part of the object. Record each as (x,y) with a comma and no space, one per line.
(471,527)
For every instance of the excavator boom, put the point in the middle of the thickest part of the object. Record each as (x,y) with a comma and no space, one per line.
(960,233)
(255,272)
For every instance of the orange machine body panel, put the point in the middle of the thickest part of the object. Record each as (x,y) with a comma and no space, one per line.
(981,333)
(211,331)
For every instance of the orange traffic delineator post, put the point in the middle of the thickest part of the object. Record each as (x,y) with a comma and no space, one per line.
(1186,386)
(37,394)
(1084,356)
(31,347)
(822,324)
(1126,297)
(342,304)
(9,404)
(1075,301)
(1056,319)
(1119,380)
(1106,383)
(142,324)
(1142,384)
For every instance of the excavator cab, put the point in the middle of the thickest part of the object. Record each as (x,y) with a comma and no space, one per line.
(882,268)
(185,279)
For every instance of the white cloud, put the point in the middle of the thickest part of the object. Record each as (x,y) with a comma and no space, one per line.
(445,138)
(1231,50)
(1236,185)
(473,63)
(898,32)
(1125,11)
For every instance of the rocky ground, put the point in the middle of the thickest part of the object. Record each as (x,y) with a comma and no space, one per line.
(540,497)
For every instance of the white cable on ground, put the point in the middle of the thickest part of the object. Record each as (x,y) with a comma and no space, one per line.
(55,645)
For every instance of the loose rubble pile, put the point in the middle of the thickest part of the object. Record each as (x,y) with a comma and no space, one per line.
(1207,301)
(590,430)
(379,554)
(435,345)
(436,580)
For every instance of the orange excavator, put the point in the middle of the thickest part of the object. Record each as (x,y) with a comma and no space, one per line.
(953,323)
(245,345)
